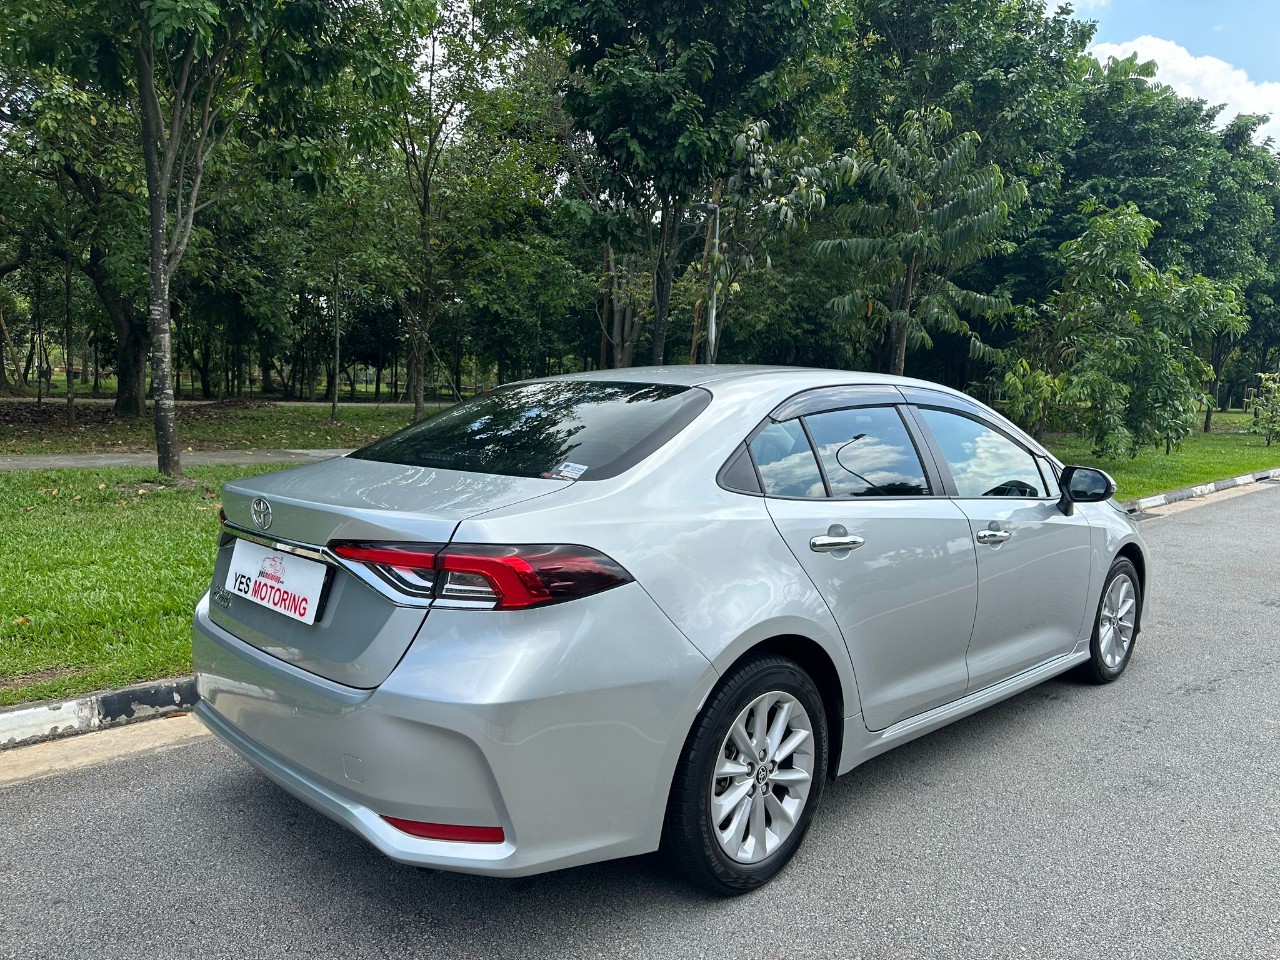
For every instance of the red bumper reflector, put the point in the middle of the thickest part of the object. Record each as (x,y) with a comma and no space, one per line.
(447,831)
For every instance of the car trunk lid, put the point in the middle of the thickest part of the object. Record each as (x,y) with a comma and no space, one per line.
(278,525)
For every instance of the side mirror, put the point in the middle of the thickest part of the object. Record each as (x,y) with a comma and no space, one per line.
(1084,485)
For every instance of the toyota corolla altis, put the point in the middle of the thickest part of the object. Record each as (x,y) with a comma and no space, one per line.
(597,615)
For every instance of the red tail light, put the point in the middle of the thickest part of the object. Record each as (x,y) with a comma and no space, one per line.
(509,577)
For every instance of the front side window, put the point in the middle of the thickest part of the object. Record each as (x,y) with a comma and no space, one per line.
(785,461)
(867,452)
(562,429)
(983,462)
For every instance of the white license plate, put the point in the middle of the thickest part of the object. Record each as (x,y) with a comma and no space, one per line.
(279,581)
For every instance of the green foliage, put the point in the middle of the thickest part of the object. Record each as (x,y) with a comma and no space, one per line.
(1113,348)
(664,86)
(1266,417)
(1228,451)
(927,207)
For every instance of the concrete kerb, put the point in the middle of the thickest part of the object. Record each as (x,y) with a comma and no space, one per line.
(1201,490)
(53,719)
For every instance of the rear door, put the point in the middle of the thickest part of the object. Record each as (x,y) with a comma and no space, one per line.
(1033,561)
(893,558)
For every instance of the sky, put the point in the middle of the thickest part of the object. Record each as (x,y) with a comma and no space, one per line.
(1222,51)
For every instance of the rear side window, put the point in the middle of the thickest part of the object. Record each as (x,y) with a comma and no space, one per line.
(563,429)
(983,462)
(867,452)
(786,463)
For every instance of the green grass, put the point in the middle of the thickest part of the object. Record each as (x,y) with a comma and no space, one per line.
(98,586)
(26,428)
(1229,451)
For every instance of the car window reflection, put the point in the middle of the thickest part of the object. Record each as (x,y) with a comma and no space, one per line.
(983,463)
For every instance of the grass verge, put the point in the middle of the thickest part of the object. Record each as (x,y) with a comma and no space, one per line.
(27,429)
(101,572)
(1229,451)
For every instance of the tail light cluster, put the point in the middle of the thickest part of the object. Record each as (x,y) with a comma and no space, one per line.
(508,577)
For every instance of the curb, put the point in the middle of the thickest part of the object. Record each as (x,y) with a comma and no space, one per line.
(52,719)
(1202,490)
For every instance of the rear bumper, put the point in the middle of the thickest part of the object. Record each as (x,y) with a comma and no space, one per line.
(562,726)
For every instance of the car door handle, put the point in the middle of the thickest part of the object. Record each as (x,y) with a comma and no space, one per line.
(994,536)
(829,544)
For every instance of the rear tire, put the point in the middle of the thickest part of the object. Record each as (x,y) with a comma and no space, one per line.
(750,778)
(1115,625)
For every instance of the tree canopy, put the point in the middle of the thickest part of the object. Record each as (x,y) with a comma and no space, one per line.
(291,198)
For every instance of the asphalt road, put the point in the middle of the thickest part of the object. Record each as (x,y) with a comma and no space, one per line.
(1136,820)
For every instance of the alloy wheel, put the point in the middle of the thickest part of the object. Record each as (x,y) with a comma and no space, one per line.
(1116,621)
(762,777)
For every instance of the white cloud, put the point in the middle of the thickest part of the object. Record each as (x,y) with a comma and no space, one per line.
(1208,78)
(1085,5)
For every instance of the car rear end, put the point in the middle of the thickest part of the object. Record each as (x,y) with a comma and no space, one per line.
(489,707)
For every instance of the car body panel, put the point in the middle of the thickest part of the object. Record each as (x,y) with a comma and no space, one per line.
(1033,589)
(904,600)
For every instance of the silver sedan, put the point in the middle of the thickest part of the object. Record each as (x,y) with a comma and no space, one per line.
(609,613)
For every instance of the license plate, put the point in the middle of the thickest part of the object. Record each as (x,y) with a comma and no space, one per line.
(283,582)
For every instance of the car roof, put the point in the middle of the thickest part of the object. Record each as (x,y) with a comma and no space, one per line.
(779,382)
(708,375)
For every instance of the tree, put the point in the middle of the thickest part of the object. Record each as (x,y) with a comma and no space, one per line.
(664,86)
(927,208)
(194,75)
(1231,245)
(457,52)
(1113,350)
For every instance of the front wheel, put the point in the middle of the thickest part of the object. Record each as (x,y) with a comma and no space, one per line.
(1115,628)
(750,779)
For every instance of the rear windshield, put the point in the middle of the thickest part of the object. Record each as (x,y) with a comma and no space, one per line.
(564,429)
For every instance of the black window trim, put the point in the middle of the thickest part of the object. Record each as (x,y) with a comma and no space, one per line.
(741,450)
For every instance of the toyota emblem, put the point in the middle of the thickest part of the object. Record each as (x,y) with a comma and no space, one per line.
(261,511)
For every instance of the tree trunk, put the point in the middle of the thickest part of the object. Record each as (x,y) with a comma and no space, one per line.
(21,380)
(168,456)
(901,327)
(66,339)
(38,342)
(664,269)
(132,338)
(337,365)
(898,360)
(417,372)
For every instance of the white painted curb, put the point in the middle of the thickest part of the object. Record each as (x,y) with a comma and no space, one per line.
(1201,490)
(20,726)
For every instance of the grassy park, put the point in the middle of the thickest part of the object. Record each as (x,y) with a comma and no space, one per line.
(103,567)
(232,425)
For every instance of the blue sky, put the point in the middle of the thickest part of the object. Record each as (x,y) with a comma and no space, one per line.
(1223,51)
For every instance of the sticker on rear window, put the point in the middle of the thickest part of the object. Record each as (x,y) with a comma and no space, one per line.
(570,471)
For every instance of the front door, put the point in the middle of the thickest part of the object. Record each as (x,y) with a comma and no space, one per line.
(1033,561)
(893,559)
